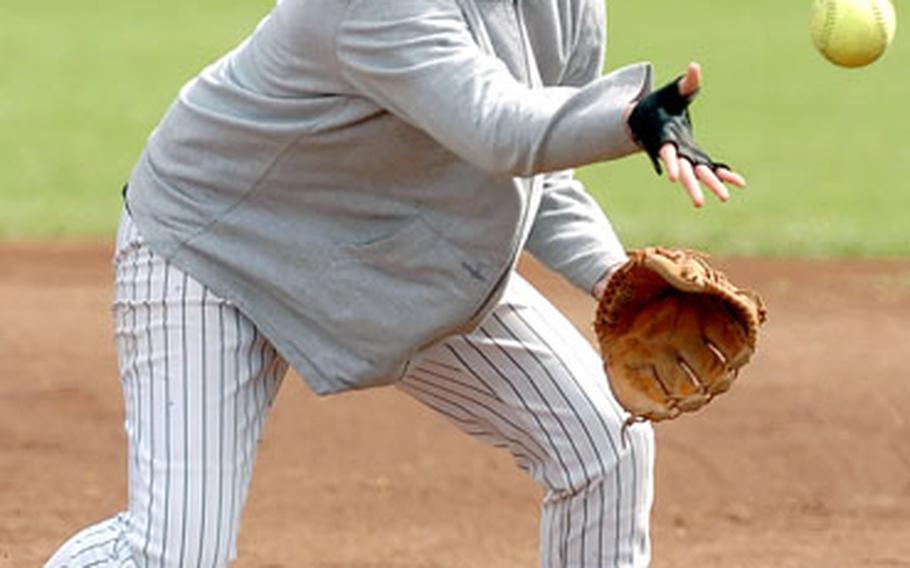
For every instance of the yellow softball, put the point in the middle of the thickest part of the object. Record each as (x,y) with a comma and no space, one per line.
(852,33)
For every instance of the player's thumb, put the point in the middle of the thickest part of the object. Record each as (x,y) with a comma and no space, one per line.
(691,81)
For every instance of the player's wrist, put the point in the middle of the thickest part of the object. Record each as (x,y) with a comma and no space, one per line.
(600,287)
(625,123)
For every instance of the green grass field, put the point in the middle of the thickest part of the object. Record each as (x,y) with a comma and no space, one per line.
(825,149)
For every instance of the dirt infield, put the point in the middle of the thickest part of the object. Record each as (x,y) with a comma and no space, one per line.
(806,463)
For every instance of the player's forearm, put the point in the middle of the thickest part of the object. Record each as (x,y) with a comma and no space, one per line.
(419,61)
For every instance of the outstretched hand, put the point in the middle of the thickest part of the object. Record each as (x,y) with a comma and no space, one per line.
(681,169)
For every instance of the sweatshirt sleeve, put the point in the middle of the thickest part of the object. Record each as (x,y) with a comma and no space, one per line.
(419,60)
(571,234)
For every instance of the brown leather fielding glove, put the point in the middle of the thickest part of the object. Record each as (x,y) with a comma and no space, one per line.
(673,332)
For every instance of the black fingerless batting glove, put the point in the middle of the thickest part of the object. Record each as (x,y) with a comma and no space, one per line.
(661,118)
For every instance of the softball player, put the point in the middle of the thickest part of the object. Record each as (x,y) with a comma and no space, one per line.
(348,192)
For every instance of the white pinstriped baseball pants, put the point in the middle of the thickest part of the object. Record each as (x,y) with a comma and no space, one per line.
(199,379)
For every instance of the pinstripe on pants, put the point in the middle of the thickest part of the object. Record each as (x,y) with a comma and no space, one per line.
(528,382)
(199,379)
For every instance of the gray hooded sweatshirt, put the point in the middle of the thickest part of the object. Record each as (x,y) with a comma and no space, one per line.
(360,176)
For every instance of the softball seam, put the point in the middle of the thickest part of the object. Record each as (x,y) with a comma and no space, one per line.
(828,28)
(880,20)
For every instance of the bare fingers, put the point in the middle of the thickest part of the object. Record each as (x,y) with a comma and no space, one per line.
(707,176)
(691,80)
(690,182)
(731,177)
(692,178)
(671,161)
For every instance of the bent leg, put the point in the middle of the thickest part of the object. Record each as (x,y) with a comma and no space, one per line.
(527,381)
(198,381)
